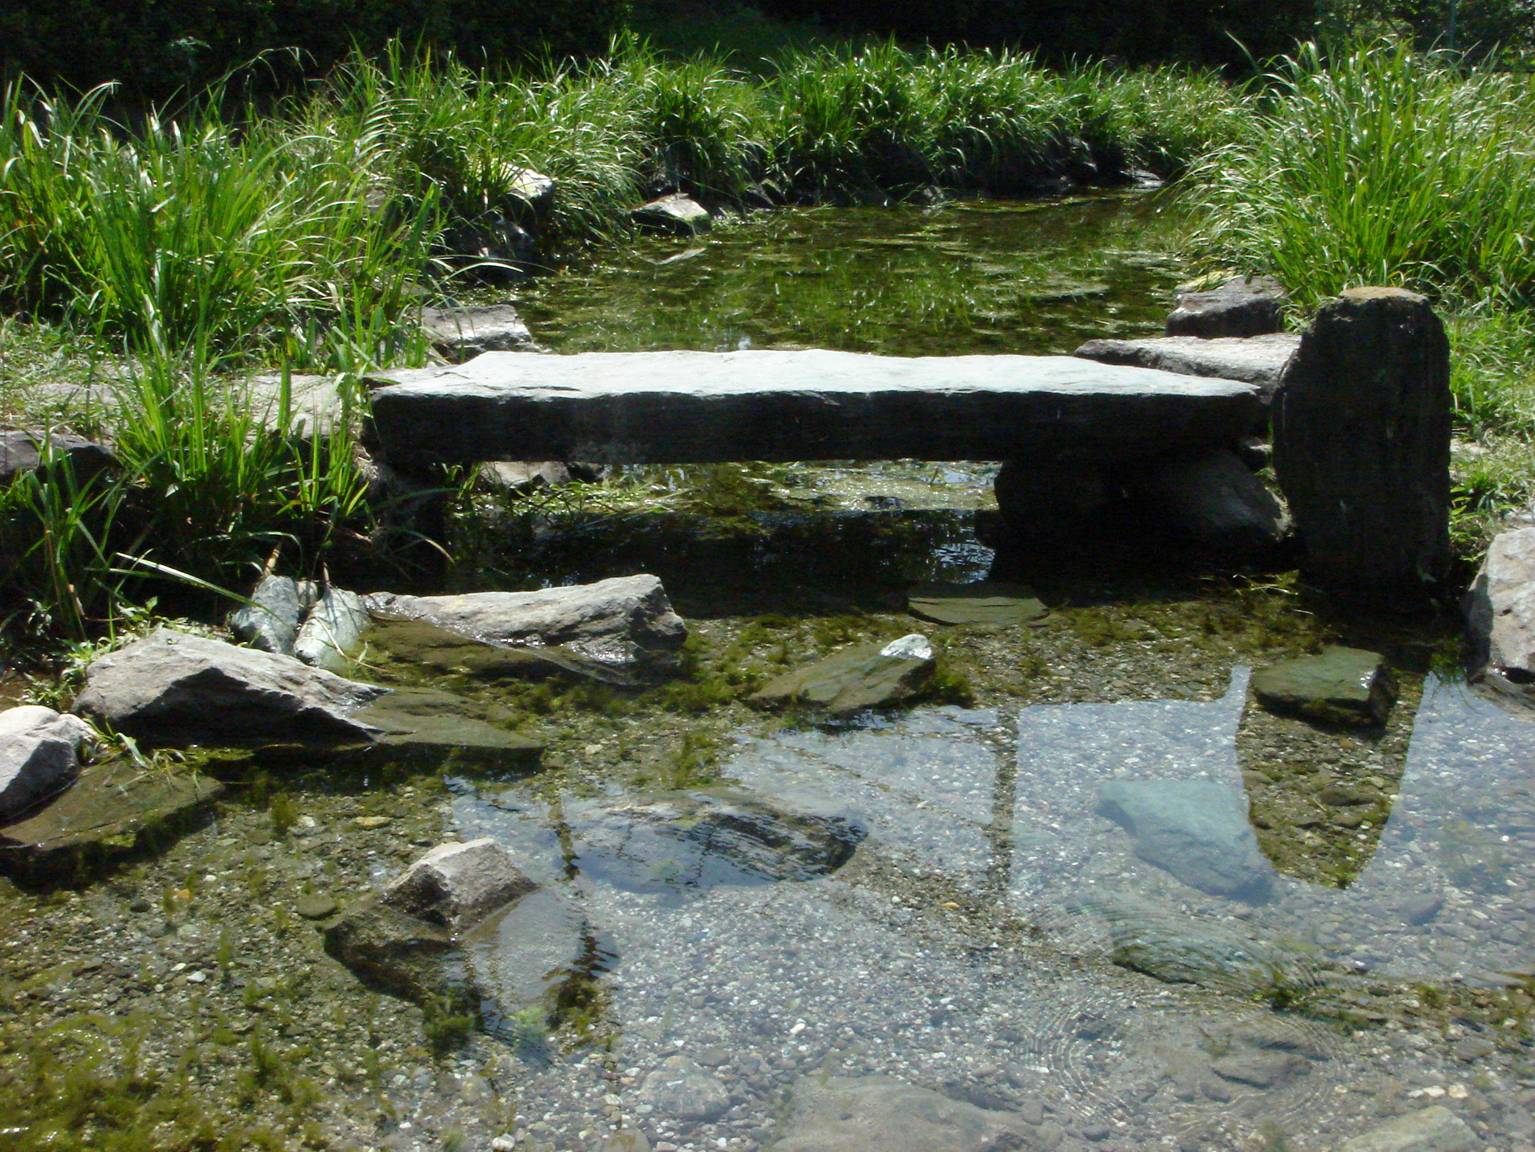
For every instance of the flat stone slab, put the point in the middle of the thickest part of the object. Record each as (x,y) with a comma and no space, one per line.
(702,407)
(1254,359)
(854,680)
(981,605)
(1339,686)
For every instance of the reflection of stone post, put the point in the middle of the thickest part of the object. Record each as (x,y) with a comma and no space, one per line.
(1362,443)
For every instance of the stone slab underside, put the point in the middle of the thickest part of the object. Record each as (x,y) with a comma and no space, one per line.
(701,407)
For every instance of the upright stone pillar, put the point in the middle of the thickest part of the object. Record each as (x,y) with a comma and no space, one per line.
(1362,443)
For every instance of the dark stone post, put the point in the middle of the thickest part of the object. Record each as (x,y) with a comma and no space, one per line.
(1362,443)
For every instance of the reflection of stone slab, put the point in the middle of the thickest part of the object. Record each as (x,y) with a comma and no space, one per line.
(1195,829)
(113,807)
(983,605)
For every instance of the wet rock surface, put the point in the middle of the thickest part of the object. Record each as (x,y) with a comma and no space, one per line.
(332,631)
(39,756)
(1338,686)
(875,1112)
(981,605)
(854,680)
(174,687)
(1195,829)
(1362,444)
(622,622)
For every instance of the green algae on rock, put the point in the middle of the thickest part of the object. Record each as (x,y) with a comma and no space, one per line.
(854,680)
(1339,686)
(982,605)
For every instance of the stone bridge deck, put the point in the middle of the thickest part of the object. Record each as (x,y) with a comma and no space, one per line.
(701,407)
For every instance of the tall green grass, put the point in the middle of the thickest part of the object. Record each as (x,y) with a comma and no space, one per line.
(1380,166)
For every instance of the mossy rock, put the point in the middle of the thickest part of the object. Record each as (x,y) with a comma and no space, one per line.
(1346,686)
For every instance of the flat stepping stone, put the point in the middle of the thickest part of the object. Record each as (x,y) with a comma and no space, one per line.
(854,680)
(708,407)
(1340,686)
(1255,359)
(983,605)
(113,808)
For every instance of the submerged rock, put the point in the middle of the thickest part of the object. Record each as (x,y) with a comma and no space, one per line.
(1500,611)
(681,1089)
(175,687)
(1195,829)
(1242,306)
(435,727)
(39,756)
(462,333)
(678,214)
(1340,686)
(841,1113)
(623,623)
(982,605)
(1362,444)
(113,807)
(1435,1129)
(695,841)
(271,621)
(855,679)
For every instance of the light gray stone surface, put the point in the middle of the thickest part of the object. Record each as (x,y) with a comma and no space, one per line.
(844,1113)
(332,631)
(1255,359)
(39,756)
(623,621)
(678,214)
(457,885)
(1435,1129)
(689,407)
(173,687)
(270,622)
(1195,829)
(1500,609)
(462,333)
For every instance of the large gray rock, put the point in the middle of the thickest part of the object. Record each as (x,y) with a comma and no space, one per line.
(841,1113)
(39,756)
(1256,360)
(1195,829)
(457,885)
(1338,686)
(23,452)
(173,687)
(1500,610)
(1215,503)
(1435,1129)
(1242,306)
(271,620)
(625,621)
(699,407)
(686,843)
(462,333)
(1362,444)
(856,679)
(677,214)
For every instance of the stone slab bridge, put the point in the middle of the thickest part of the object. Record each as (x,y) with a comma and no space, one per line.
(703,407)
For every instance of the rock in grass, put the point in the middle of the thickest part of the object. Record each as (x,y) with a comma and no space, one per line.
(1242,306)
(980,605)
(332,631)
(270,622)
(1500,610)
(624,623)
(1197,830)
(855,679)
(174,687)
(25,451)
(460,334)
(39,756)
(1340,686)
(1435,1129)
(841,1113)
(677,214)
